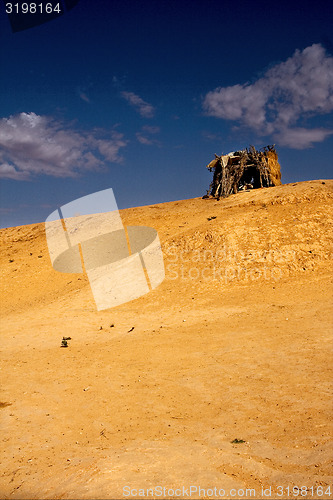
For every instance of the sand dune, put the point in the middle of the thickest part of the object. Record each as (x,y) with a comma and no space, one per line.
(236,343)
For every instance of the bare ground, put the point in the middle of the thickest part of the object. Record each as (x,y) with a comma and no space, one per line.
(236,343)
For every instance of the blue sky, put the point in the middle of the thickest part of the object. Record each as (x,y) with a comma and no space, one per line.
(138,95)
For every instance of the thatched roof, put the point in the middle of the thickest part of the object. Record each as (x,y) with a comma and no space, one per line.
(244,169)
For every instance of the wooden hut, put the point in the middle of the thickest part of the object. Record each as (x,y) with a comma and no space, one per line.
(246,169)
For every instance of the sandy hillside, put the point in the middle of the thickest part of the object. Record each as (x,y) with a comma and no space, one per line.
(235,344)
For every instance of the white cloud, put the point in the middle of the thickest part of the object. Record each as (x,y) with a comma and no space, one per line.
(144,136)
(144,140)
(31,145)
(151,129)
(84,97)
(298,88)
(145,109)
(208,136)
(301,138)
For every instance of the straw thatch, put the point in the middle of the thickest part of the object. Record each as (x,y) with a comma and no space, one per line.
(242,170)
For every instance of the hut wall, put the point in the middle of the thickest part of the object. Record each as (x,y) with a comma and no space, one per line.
(274,168)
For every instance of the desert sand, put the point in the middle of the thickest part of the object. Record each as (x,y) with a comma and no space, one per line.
(235,344)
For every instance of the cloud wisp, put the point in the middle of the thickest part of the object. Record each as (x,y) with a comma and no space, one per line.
(32,145)
(145,109)
(84,96)
(297,89)
(145,136)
